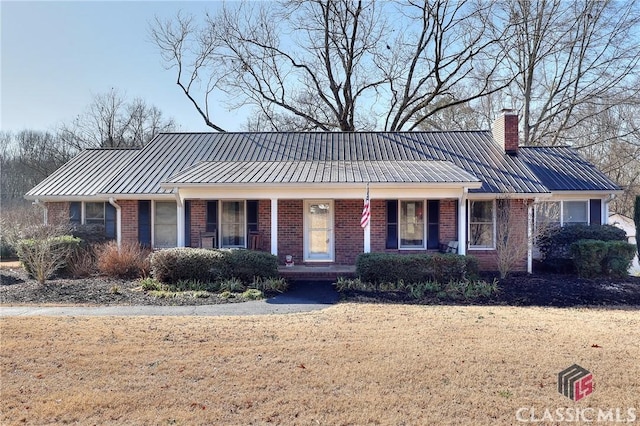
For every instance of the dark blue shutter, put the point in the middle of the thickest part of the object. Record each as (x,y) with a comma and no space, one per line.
(595,212)
(433,228)
(75,212)
(144,222)
(392,224)
(252,217)
(110,221)
(212,216)
(187,223)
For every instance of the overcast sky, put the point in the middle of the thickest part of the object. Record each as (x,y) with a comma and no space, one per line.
(56,56)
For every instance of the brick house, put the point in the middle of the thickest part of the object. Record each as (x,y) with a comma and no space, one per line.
(301,193)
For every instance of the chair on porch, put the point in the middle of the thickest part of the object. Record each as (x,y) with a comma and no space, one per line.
(255,240)
(452,247)
(209,240)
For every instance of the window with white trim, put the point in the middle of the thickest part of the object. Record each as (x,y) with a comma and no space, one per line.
(412,229)
(561,213)
(482,220)
(165,224)
(233,224)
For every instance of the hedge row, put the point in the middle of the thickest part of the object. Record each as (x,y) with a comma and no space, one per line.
(415,268)
(593,258)
(555,244)
(204,265)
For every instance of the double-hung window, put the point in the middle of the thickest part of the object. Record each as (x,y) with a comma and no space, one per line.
(482,219)
(561,213)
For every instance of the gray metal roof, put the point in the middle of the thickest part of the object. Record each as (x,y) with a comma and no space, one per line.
(224,172)
(85,174)
(473,151)
(563,169)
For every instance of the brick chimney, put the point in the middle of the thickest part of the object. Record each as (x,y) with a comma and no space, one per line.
(505,131)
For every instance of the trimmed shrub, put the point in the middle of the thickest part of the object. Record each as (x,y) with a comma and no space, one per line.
(555,244)
(594,258)
(249,265)
(181,263)
(131,260)
(588,256)
(391,267)
(619,257)
(414,268)
(42,257)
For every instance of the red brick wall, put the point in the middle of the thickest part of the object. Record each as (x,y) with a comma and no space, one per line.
(198,220)
(57,213)
(129,212)
(290,230)
(264,224)
(349,236)
(447,222)
(378,225)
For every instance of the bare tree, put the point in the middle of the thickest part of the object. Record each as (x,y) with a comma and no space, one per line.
(573,60)
(334,65)
(113,121)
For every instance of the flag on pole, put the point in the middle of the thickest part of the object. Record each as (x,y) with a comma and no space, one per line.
(366,211)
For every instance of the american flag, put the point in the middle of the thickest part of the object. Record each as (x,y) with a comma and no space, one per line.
(366,211)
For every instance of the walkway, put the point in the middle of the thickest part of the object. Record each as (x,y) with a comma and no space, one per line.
(303,296)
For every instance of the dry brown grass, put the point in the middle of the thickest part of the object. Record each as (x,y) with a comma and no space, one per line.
(348,364)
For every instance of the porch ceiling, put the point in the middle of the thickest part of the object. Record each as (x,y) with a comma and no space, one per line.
(314,172)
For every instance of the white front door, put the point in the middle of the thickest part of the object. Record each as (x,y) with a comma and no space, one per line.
(318,231)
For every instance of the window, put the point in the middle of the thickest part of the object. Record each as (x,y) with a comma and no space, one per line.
(165,224)
(412,224)
(94,213)
(232,224)
(481,224)
(575,212)
(561,213)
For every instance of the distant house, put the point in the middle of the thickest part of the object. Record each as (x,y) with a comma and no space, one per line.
(629,227)
(301,194)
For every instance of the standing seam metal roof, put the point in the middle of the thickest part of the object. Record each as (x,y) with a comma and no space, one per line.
(473,151)
(84,175)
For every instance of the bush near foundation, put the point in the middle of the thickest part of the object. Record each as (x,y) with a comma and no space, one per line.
(249,265)
(42,256)
(205,265)
(182,263)
(130,260)
(593,258)
(555,244)
(415,268)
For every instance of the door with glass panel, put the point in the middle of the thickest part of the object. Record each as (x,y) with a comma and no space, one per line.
(318,233)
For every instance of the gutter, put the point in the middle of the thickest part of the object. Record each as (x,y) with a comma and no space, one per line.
(605,207)
(45,210)
(112,201)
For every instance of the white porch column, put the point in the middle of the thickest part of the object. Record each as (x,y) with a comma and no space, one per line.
(274,226)
(180,220)
(462,223)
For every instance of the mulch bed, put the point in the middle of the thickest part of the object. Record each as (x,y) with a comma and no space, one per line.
(542,289)
(518,290)
(17,288)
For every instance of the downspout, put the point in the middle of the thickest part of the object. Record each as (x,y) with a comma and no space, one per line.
(112,201)
(45,210)
(530,236)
